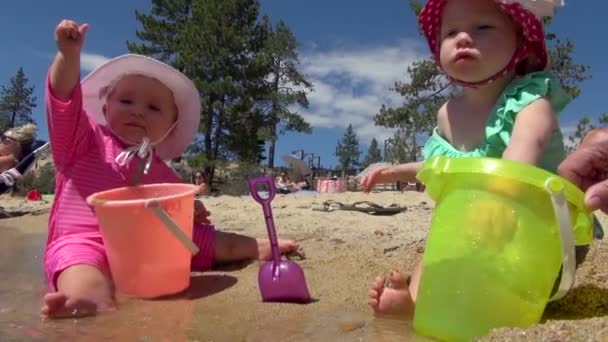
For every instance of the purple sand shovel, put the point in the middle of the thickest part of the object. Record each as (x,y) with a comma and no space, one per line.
(279,280)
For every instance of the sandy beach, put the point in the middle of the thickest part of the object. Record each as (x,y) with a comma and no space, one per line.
(344,251)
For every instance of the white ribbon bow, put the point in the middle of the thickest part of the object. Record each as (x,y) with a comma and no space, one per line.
(143,151)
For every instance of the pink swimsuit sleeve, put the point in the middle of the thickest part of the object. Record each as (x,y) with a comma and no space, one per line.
(203,237)
(69,127)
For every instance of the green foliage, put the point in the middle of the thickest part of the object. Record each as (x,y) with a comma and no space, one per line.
(236,184)
(217,44)
(286,86)
(374,154)
(42,179)
(347,149)
(16,102)
(245,70)
(584,125)
(569,73)
(402,148)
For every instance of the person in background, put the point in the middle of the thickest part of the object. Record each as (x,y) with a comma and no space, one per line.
(199,180)
(16,143)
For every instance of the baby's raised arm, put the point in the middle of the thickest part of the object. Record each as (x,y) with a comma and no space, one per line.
(532,130)
(69,127)
(403,173)
(65,70)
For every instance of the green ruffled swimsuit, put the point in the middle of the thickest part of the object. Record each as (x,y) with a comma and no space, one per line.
(519,94)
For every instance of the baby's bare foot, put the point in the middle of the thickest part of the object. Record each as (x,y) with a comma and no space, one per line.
(285,247)
(392,299)
(59,305)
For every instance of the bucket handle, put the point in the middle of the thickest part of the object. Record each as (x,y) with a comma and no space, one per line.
(566,234)
(162,215)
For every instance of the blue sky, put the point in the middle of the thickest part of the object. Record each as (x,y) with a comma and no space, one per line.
(352,50)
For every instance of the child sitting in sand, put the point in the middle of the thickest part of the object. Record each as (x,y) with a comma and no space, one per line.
(114,127)
(496,50)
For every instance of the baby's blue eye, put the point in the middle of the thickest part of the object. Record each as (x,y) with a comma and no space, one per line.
(126,101)
(484,27)
(154,108)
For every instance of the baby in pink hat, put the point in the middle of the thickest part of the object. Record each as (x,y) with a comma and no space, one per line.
(112,130)
(495,50)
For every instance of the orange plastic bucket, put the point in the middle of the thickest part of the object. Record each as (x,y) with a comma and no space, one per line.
(147,232)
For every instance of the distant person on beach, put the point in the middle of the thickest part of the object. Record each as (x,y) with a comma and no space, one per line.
(587,167)
(114,127)
(495,50)
(285,185)
(16,144)
(199,180)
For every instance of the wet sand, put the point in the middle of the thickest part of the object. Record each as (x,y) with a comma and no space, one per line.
(344,251)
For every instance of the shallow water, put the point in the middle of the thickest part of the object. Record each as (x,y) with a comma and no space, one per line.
(208,311)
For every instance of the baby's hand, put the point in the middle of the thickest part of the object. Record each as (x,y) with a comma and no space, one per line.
(203,189)
(200,213)
(377,176)
(70,37)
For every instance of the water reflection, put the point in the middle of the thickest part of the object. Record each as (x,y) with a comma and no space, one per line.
(211,310)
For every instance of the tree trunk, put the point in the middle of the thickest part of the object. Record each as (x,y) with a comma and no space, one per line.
(271,153)
(13,117)
(208,173)
(414,148)
(273,118)
(216,138)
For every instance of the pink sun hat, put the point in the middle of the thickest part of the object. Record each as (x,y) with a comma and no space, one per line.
(187,97)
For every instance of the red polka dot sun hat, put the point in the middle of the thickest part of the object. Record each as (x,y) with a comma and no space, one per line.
(525,13)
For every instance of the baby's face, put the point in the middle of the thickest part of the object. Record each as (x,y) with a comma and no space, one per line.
(139,106)
(477,39)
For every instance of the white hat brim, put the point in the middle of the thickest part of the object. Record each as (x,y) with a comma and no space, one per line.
(187,97)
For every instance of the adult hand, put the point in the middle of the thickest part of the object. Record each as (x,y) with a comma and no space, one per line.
(587,167)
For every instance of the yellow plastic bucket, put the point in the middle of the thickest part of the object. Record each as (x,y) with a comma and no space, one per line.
(500,233)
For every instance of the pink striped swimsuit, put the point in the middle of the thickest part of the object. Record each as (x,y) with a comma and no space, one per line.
(84,154)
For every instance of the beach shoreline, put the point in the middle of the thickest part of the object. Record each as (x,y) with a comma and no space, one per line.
(344,251)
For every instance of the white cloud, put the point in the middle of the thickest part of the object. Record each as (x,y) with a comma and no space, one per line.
(568,130)
(90,61)
(351,84)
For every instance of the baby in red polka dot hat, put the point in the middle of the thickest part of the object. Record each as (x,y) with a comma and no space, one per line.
(495,50)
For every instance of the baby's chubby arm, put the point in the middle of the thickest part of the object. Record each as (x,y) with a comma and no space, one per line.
(403,172)
(532,130)
(64,73)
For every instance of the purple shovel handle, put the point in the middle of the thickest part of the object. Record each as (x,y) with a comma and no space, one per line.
(265,202)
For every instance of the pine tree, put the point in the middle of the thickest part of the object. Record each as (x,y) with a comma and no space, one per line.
(217,43)
(286,86)
(374,154)
(347,150)
(16,101)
